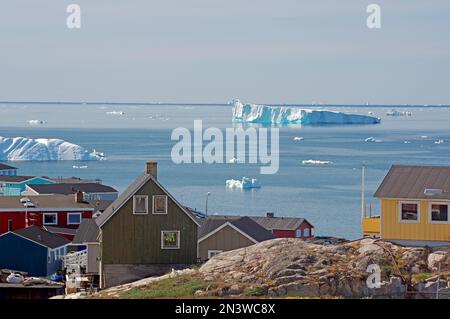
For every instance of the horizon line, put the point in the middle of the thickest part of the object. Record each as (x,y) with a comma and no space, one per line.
(219,104)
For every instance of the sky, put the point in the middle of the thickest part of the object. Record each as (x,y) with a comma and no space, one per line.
(261,51)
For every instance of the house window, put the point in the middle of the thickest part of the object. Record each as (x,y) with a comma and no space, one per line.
(170,239)
(439,213)
(140,204)
(159,204)
(409,212)
(306,232)
(10,224)
(73,218)
(50,219)
(212,253)
(298,233)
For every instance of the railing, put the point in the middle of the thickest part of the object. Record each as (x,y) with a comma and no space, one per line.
(76,258)
(371,226)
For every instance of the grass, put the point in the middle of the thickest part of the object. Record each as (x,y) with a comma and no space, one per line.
(183,286)
(422,277)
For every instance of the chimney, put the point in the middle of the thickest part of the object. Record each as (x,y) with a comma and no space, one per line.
(270,215)
(79,197)
(152,168)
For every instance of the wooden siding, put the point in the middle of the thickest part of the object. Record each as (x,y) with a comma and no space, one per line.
(136,239)
(225,239)
(21,254)
(392,228)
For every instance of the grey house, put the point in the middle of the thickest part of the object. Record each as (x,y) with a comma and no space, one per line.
(224,233)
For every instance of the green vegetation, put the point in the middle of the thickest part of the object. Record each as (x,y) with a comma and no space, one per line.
(183,286)
(254,292)
(422,277)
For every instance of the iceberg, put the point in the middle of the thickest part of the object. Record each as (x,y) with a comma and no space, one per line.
(316,162)
(116,113)
(298,138)
(264,114)
(35,122)
(372,139)
(245,183)
(43,149)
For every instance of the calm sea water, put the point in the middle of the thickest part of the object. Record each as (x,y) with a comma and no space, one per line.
(328,196)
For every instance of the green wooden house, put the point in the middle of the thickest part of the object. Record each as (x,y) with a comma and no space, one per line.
(145,232)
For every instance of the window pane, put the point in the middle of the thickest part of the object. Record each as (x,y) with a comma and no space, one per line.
(140,204)
(170,239)
(160,203)
(49,219)
(439,213)
(306,232)
(409,211)
(74,218)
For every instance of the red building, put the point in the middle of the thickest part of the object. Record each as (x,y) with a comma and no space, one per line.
(286,227)
(59,213)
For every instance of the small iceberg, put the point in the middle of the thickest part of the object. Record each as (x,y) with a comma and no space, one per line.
(372,139)
(298,138)
(439,141)
(234,160)
(36,122)
(316,162)
(115,113)
(245,183)
(264,114)
(79,167)
(407,142)
(398,113)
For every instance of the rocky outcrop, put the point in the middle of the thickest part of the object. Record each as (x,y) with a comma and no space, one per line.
(363,268)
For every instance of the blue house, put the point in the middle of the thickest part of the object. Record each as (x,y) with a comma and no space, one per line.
(32,250)
(8,170)
(12,185)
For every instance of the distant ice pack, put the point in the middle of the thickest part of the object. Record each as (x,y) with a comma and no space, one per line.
(44,149)
(264,114)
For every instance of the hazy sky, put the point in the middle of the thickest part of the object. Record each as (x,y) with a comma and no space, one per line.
(273,51)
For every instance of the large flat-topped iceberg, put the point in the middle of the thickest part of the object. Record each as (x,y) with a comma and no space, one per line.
(264,114)
(43,149)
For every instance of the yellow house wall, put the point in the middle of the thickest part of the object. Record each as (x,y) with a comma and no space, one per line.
(393,228)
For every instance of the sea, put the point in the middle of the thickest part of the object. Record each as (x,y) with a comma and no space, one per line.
(329,196)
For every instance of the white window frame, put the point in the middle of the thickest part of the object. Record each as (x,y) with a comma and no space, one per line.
(430,215)
(134,204)
(69,214)
(49,224)
(170,231)
(400,220)
(215,252)
(153,205)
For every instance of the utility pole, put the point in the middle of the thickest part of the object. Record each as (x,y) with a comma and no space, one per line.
(363,190)
(206,204)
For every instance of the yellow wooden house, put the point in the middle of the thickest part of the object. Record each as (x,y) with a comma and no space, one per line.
(414,207)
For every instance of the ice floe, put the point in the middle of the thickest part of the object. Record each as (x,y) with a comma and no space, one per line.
(439,141)
(372,139)
(316,162)
(245,183)
(44,149)
(398,113)
(115,113)
(264,114)
(298,138)
(35,122)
